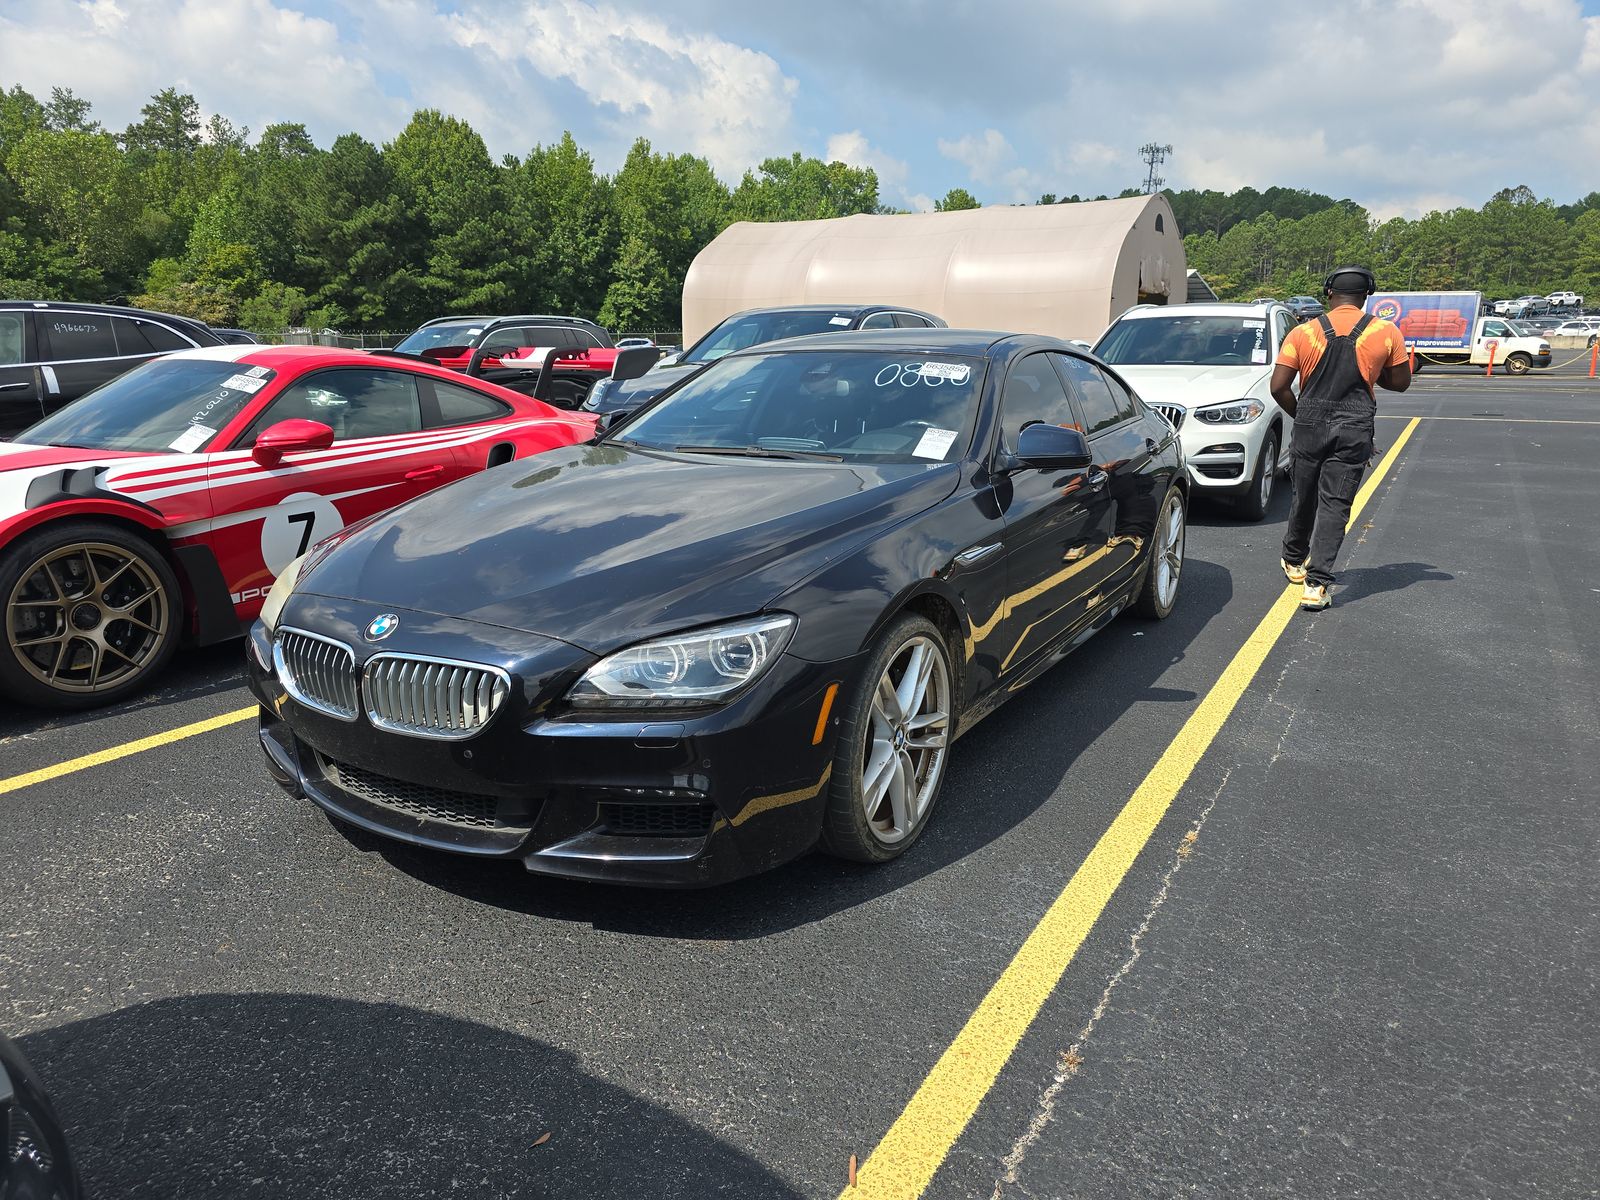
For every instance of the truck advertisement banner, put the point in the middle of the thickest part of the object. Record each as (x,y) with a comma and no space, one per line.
(1430,320)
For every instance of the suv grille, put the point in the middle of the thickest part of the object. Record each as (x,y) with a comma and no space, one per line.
(1172,413)
(317,671)
(432,697)
(417,799)
(658,820)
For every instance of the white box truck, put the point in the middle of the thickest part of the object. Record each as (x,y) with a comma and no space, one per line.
(1445,329)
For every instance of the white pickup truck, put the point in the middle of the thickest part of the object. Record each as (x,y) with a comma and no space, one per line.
(1444,329)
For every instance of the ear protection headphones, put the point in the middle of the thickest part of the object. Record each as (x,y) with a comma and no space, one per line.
(1367,277)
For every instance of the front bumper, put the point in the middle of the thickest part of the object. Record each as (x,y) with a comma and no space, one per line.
(1221,459)
(667,800)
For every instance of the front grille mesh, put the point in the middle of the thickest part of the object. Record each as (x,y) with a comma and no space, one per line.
(417,799)
(430,697)
(658,820)
(318,672)
(1173,414)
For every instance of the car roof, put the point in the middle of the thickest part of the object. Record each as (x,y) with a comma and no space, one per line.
(856,308)
(1219,309)
(938,340)
(484,318)
(112,310)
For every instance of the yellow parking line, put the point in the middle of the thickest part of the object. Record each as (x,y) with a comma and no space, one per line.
(138,746)
(904,1162)
(1498,420)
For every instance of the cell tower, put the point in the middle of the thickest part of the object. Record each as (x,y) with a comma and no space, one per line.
(1154,154)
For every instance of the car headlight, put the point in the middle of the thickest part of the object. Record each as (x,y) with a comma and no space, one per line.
(707,666)
(278,594)
(596,394)
(1234,412)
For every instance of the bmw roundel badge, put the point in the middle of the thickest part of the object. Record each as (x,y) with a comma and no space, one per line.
(382,627)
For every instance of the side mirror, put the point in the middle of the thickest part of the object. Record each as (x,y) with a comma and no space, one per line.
(668,360)
(615,417)
(1052,448)
(288,436)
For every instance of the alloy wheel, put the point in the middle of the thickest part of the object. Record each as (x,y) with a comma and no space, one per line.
(87,617)
(1169,550)
(908,737)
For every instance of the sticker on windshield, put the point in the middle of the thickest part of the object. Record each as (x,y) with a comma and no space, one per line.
(191,439)
(1254,324)
(1258,355)
(244,383)
(256,371)
(935,442)
(838,320)
(953,372)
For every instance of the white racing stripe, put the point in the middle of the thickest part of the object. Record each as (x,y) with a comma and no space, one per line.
(211,524)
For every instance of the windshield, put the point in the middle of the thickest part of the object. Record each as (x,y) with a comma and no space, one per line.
(1518,330)
(754,329)
(458,333)
(840,406)
(170,404)
(1208,341)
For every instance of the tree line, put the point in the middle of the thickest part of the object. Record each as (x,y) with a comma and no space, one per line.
(272,231)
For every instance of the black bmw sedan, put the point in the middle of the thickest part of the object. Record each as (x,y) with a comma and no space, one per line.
(750,619)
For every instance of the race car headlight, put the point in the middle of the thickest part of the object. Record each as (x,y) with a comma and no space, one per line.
(596,394)
(1234,412)
(278,594)
(708,666)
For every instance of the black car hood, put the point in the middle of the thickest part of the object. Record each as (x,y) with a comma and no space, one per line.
(600,546)
(630,393)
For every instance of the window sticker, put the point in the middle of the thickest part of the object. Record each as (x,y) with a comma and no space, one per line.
(935,442)
(191,439)
(244,383)
(256,371)
(1258,355)
(838,320)
(953,372)
(1250,323)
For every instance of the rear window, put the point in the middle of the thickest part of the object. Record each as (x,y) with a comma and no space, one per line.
(79,335)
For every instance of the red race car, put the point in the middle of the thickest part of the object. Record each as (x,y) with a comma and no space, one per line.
(512,351)
(160,507)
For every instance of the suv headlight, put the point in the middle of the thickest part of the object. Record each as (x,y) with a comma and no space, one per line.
(1234,412)
(278,594)
(597,393)
(707,666)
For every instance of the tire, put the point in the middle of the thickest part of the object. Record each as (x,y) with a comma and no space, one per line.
(1253,505)
(1518,363)
(872,734)
(1159,594)
(89,614)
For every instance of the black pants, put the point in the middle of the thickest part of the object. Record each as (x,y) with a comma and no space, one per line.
(1328,461)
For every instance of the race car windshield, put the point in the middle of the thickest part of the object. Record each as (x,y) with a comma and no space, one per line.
(738,333)
(832,406)
(462,333)
(172,405)
(1199,341)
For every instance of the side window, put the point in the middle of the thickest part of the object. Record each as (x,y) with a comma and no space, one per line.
(1100,406)
(881,320)
(910,321)
(1033,393)
(161,338)
(1284,324)
(354,403)
(510,339)
(460,405)
(1495,329)
(80,335)
(12,341)
(1127,406)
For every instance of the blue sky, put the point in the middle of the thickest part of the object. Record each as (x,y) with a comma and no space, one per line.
(1404,106)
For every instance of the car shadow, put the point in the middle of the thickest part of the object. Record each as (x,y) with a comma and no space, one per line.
(1217,513)
(985,795)
(297,1095)
(193,674)
(1358,583)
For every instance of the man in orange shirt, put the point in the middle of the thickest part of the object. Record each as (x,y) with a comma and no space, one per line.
(1338,357)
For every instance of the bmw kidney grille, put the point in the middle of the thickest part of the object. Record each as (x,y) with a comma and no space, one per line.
(404,693)
(431,697)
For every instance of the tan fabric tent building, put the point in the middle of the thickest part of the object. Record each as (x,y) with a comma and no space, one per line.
(1061,269)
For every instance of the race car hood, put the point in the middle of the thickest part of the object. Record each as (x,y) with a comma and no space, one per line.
(1193,385)
(600,546)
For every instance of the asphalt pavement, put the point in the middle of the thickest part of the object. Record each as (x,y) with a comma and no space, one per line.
(1356,957)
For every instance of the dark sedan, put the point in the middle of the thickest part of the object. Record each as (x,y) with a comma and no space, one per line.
(750,619)
(753,327)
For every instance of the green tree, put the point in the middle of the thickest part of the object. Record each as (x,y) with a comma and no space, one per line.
(67,110)
(956,199)
(85,198)
(640,290)
(566,225)
(169,122)
(804,189)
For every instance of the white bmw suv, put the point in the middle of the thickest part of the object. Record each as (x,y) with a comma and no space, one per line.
(1207,368)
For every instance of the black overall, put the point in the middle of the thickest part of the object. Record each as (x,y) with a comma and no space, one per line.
(1334,427)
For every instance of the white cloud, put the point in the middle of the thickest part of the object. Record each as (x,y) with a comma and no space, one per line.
(983,154)
(853,149)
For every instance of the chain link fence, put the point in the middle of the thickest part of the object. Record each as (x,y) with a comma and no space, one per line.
(387,339)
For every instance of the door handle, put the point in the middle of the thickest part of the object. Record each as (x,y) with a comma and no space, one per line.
(13,387)
(422,474)
(1096,478)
